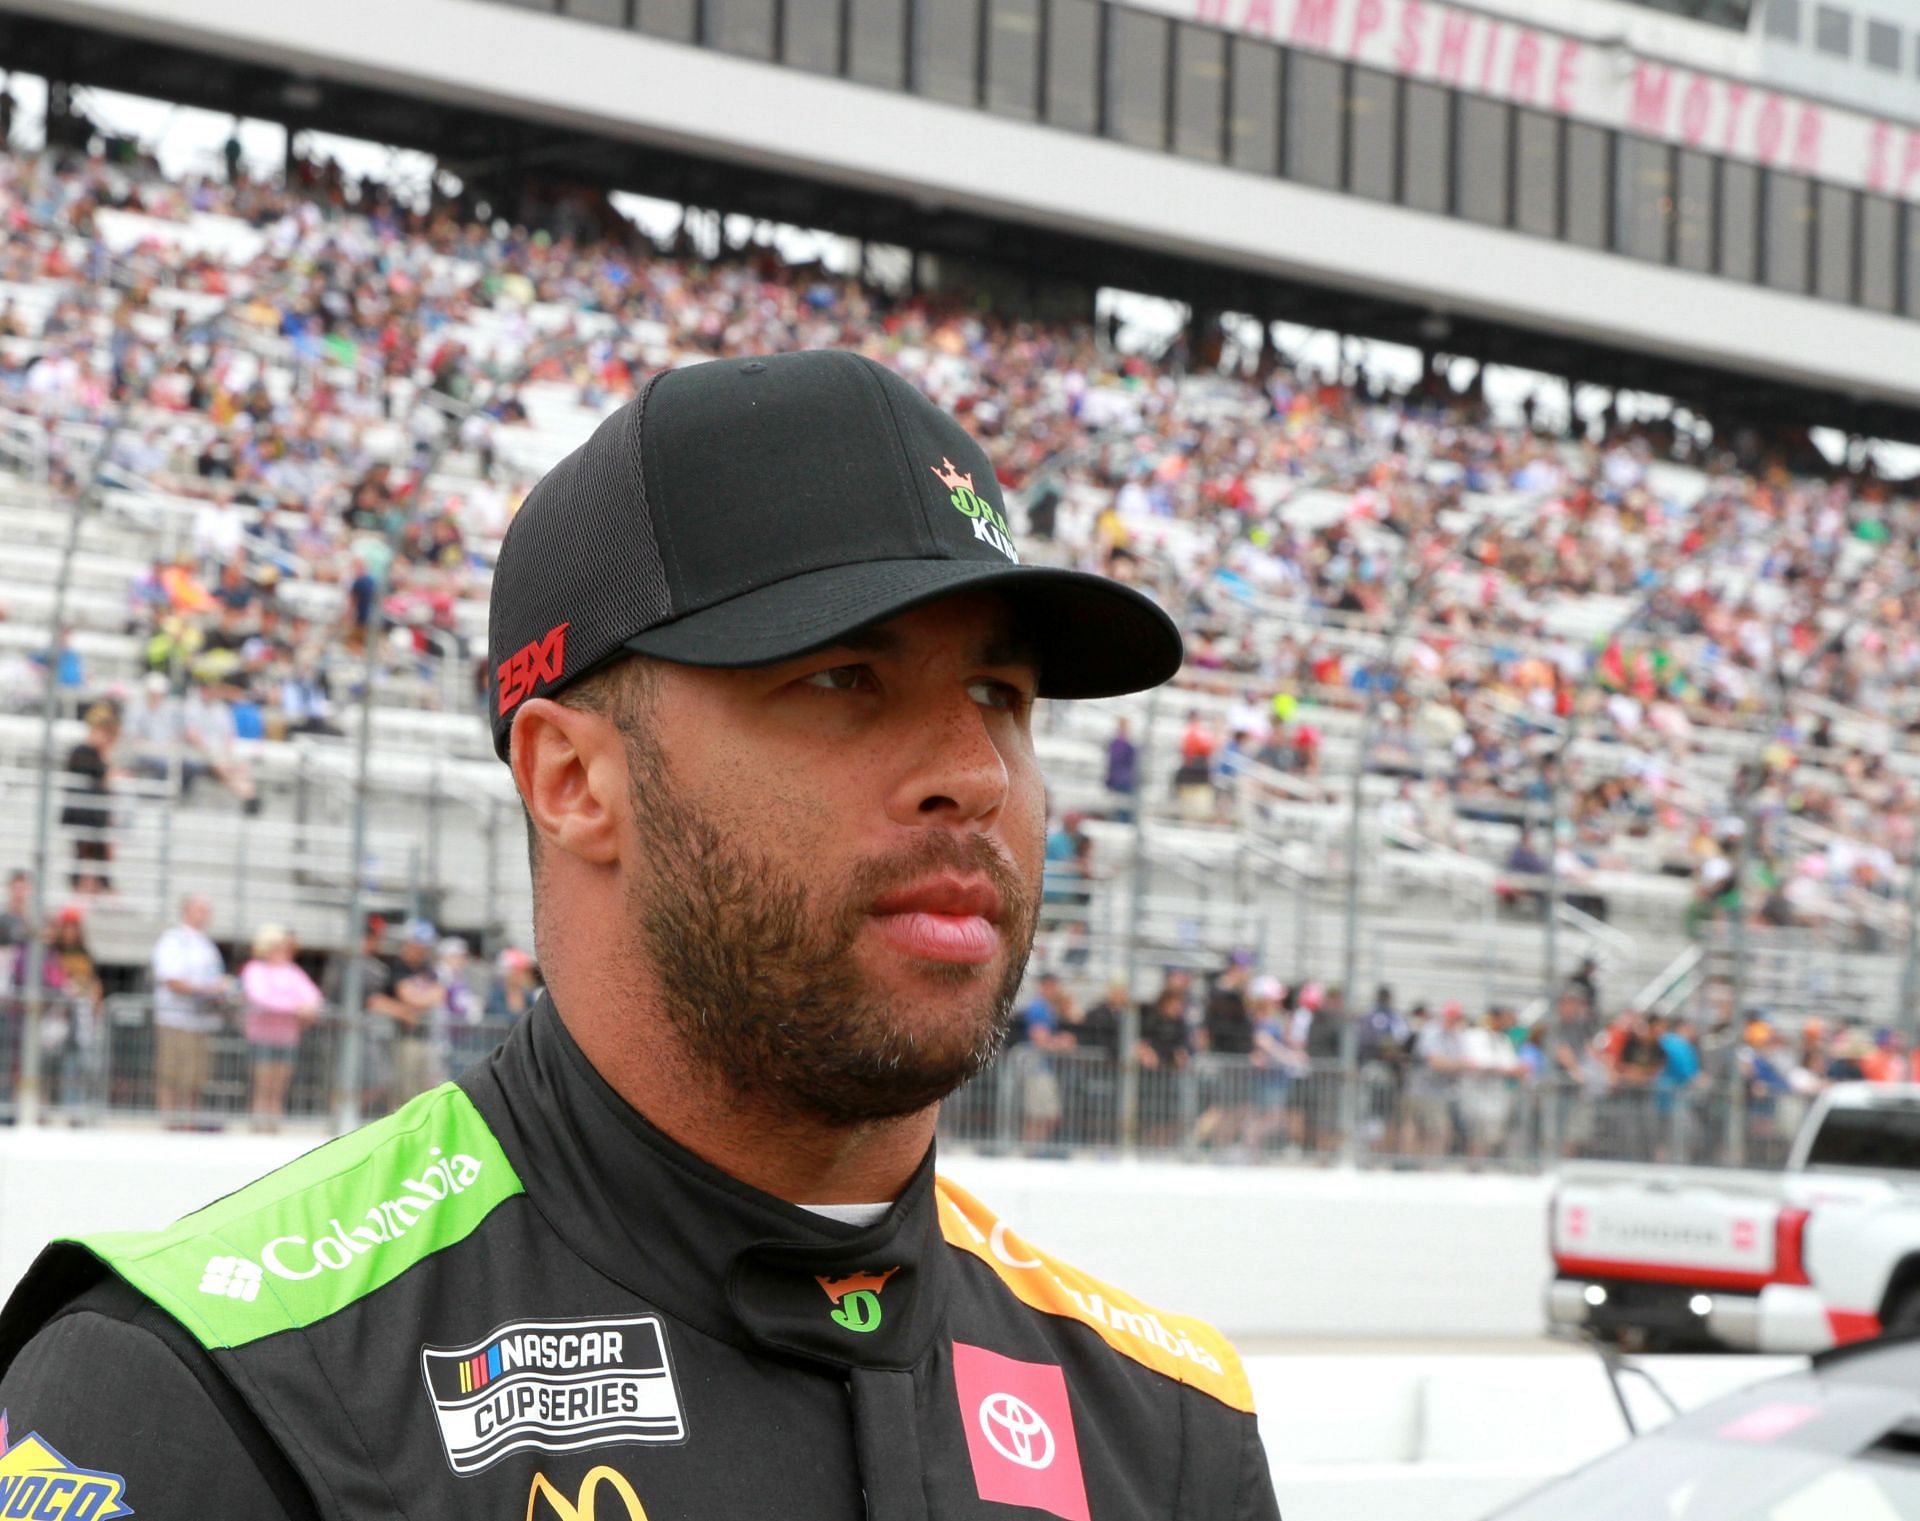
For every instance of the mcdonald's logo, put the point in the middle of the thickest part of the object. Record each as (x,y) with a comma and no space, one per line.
(583,1507)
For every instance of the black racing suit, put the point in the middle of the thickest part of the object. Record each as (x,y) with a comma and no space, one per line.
(515,1298)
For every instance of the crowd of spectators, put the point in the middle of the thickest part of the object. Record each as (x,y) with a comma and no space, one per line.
(293,368)
(208,1034)
(295,377)
(1243,1064)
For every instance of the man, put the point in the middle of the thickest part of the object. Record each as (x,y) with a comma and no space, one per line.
(16,923)
(189,986)
(680,1236)
(1225,1039)
(377,978)
(416,1008)
(1577,1075)
(1122,773)
(154,733)
(213,739)
(1442,1053)
(1034,1035)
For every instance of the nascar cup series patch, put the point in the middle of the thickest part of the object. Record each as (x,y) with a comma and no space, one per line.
(554,1386)
(37,1481)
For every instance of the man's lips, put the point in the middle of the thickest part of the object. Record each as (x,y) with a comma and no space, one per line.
(947,919)
(958,897)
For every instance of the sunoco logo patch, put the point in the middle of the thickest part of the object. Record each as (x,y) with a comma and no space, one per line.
(37,1482)
(553,1385)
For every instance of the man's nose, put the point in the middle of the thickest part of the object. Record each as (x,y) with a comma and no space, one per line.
(954,767)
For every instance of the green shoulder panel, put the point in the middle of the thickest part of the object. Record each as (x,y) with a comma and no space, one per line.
(325,1230)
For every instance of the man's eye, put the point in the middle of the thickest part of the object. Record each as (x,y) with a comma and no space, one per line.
(841,678)
(999,694)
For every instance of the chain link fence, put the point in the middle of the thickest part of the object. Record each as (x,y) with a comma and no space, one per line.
(108,1062)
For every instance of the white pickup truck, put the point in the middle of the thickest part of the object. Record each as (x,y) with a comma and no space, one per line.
(1826,1253)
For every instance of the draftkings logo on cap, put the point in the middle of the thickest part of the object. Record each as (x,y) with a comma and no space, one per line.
(988,526)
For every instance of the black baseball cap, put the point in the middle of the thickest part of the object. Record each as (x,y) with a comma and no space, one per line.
(743,512)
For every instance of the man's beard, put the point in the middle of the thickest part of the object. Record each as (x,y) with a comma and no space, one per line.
(759,978)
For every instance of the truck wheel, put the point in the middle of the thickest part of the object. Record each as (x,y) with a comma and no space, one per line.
(1904,1318)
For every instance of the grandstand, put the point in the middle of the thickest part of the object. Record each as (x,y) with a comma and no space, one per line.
(1476,691)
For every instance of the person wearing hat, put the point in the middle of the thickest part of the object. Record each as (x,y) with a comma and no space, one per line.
(413,1014)
(764,659)
(514,990)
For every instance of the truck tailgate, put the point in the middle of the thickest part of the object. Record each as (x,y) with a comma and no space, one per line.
(1687,1234)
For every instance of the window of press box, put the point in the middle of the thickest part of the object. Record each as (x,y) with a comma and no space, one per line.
(1373,134)
(1833,31)
(1589,185)
(1643,178)
(1883,46)
(1199,90)
(1426,147)
(946,44)
(1786,219)
(673,19)
(810,35)
(1739,228)
(1254,132)
(1073,64)
(1694,187)
(1314,95)
(1536,178)
(1833,242)
(606,12)
(1910,264)
(740,26)
(1481,160)
(1137,77)
(1783,20)
(1013,58)
(1879,253)
(877,42)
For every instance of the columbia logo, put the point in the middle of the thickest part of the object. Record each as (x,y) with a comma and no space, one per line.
(231,1278)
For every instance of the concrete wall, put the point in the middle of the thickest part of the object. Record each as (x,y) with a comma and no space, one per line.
(1264,1252)
(572,73)
(1261,1252)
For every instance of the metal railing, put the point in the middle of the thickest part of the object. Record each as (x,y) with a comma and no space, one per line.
(111,1061)
(1241,1109)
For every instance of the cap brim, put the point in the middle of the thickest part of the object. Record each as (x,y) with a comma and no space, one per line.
(1096,637)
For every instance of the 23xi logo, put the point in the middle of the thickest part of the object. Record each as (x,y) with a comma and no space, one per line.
(583,1505)
(856,1299)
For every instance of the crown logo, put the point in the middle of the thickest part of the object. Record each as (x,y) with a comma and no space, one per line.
(951,478)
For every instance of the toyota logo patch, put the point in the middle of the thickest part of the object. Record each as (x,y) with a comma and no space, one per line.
(1016,1431)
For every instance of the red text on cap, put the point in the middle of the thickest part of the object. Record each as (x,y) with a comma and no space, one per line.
(526,668)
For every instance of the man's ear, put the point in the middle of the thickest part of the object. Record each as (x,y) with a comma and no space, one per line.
(571,768)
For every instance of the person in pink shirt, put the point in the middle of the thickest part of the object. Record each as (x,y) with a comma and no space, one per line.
(282,1000)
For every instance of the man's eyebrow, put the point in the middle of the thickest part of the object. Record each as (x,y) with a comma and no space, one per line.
(1009,646)
(874,639)
(1002,647)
